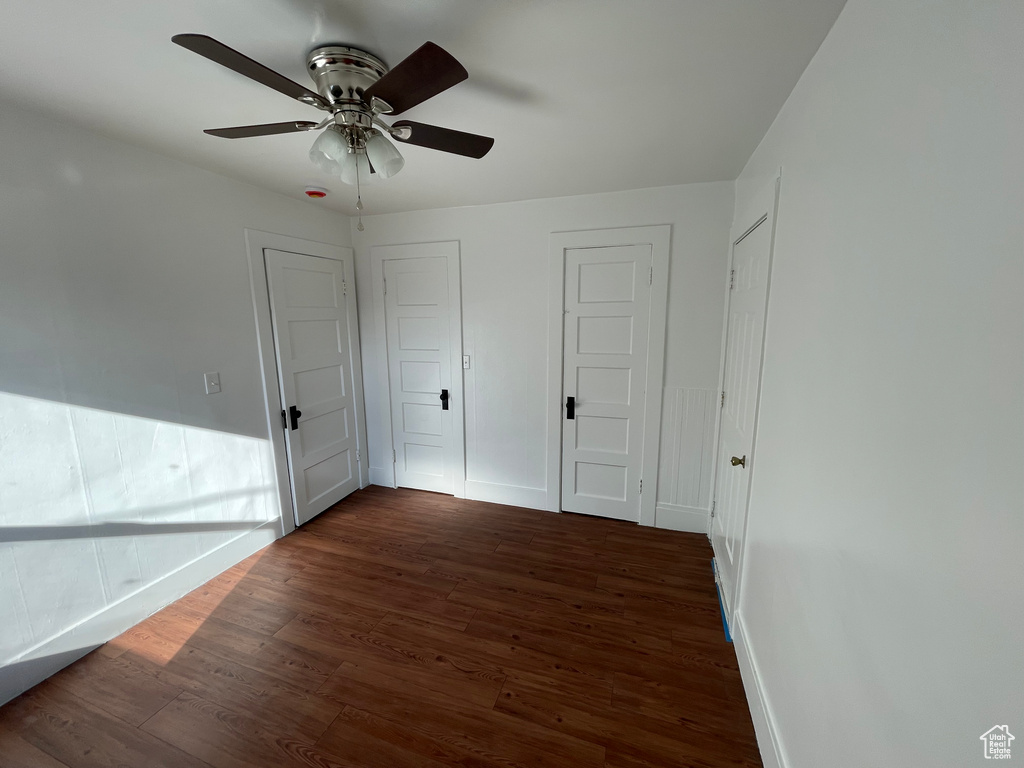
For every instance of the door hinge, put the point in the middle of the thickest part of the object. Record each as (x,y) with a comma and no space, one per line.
(722,403)
(284,420)
(357,457)
(394,457)
(641,485)
(344,288)
(385,286)
(713,503)
(732,279)
(650,277)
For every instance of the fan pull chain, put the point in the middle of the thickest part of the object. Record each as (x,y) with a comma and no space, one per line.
(359,201)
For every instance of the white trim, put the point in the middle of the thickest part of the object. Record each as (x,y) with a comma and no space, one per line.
(447,249)
(383,476)
(512,495)
(763,209)
(772,753)
(659,237)
(255,243)
(36,664)
(679,517)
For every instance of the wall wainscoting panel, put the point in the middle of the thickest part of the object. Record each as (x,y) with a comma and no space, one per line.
(687,450)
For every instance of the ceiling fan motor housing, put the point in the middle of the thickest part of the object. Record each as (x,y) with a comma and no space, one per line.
(342,74)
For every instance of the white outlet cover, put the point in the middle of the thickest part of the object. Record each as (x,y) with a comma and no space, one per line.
(212,382)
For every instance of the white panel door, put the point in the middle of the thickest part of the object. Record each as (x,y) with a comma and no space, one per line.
(315,346)
(416,311)
(743,350)
(606,325)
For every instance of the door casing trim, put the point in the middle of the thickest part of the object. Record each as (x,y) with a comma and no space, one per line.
(659,237)
(255,243)
(449,250)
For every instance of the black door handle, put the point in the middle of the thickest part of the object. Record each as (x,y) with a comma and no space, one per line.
(444,399)
(294,413)
(570,407)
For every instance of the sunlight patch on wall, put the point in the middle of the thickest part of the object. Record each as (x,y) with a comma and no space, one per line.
(95,506)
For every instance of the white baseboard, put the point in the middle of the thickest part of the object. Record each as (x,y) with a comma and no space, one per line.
(382,476)
(676,517)
(513,495)
(772,755)
(38,663)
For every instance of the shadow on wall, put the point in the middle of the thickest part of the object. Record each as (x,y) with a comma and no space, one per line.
(96,506)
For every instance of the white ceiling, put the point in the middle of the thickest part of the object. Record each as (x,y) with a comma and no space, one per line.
(581,95)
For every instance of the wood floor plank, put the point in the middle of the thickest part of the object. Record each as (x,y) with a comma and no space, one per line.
(268,699)
(16,752)
(116,686)
(263,616)
(352,737)
(227,739)
(68,728)
(711,708)
(317,599)
(468,565)
(472,733)
(594,653)
(619,730)
(415,630)
(373,595)
(540,597)
(511,658)
(409,660)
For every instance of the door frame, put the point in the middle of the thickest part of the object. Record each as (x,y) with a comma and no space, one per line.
(255,243)
(659,237)
(762,208)
(449,250)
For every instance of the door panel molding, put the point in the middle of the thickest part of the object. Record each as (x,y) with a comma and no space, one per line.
(256,242)
(448,250)
(658,237)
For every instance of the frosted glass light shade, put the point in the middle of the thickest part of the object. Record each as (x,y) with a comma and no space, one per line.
(329,151)
(353,162)
(385,157)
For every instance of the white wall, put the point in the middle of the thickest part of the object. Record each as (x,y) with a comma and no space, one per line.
(505,251)
(123,277)
(881,595)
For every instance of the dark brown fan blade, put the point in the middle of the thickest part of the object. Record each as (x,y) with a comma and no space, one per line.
(243,65)
(267,129)
(423,74)
(445,139)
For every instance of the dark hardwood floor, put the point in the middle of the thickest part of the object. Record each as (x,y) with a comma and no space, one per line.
(413,630)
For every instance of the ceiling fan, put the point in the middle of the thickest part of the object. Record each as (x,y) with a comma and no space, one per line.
(356,88)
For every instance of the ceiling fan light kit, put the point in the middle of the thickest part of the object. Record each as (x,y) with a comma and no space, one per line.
(356,88)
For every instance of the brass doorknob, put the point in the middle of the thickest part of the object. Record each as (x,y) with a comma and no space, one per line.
(737,462)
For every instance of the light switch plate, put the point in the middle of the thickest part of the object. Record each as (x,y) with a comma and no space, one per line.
(212,381)
(465,361)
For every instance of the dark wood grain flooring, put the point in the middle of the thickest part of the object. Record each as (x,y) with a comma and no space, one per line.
(412,630)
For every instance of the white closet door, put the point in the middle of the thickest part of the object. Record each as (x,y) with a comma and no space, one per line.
(743,350)
(606,325)
(315,346)
(416,307)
